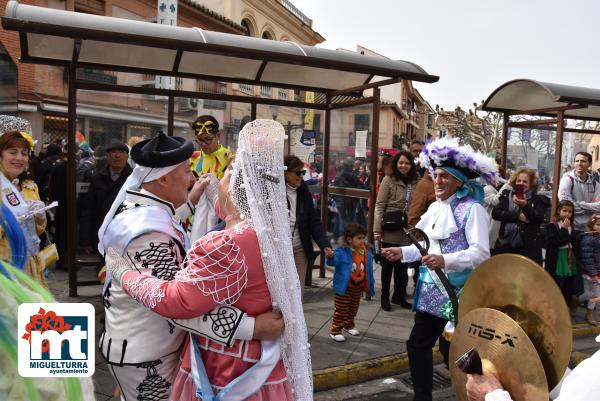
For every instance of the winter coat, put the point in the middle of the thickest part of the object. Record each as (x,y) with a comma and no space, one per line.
(534,210)
(557,238)
(584,194)
(342,261)
(393,196)
(101,194)
(422,196)
(309,222)
(590,254)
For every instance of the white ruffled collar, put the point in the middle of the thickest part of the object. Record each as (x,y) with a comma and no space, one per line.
(438,222)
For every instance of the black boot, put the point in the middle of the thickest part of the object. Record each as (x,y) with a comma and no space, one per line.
(385,304)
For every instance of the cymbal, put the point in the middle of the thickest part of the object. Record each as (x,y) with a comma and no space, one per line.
(499,339)
(520,288)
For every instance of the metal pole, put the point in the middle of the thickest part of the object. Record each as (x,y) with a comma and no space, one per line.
(504,141)
(374,148)
(71,207)
(252,111)
(325,182)
(289,140)
(171,115)
(557,157)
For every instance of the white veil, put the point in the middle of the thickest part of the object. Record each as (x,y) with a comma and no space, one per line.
(257,189)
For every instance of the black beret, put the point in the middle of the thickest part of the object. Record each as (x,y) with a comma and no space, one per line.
(162,151)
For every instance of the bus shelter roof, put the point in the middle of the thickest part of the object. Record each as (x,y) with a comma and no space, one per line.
(526,96)
(58,37)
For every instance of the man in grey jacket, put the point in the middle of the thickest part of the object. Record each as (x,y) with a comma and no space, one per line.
(579,187)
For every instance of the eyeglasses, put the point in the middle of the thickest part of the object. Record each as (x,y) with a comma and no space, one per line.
(207,126)
(299,173)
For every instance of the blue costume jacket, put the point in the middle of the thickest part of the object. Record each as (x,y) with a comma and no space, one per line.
(342,261)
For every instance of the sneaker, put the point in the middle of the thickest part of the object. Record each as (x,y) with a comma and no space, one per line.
(337,338)
(353,332)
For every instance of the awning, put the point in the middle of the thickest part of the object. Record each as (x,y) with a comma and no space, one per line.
(528,95)
(49,36)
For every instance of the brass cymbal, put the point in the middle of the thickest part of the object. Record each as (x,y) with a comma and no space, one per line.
(520,288)
(499,339)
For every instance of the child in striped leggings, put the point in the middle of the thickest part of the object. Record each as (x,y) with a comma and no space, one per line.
(353,274)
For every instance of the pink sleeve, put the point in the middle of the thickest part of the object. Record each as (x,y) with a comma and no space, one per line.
(215,274)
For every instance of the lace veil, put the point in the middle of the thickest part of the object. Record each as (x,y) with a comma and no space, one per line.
(257,188)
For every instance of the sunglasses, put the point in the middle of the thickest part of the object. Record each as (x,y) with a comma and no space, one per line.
(206,126)
(299,173)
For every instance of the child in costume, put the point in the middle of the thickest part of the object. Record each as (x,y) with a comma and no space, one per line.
(561,259)
(590,267)
(353,274)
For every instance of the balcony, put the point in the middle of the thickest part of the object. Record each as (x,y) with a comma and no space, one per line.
(266,91)
(283,94)
(246,88)
(297,13)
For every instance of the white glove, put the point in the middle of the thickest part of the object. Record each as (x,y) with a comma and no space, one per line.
(116,265)
(36,205)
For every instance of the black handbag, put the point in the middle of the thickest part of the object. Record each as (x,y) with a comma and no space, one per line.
(397,220)
(511,241)
(393,221)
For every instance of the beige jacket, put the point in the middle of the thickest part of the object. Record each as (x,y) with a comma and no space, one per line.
(392,197)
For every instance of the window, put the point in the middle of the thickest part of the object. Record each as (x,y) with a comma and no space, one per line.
(361,122)
(283,94)
(265,91)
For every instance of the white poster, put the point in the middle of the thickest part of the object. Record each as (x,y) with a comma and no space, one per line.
(360,149)
(166,14)
(302,144)
(532,159)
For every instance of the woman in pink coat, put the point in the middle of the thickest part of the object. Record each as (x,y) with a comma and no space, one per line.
(249,265)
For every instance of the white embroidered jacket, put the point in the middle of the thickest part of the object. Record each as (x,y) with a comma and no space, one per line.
(147,232)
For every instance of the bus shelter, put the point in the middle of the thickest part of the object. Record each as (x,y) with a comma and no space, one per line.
(340,89)
(548,107)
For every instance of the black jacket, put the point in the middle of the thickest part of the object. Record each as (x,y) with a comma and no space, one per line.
(530,232)
(308,222)
(101,194)
(558,237)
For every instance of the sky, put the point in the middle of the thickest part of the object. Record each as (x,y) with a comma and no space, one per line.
(474,46)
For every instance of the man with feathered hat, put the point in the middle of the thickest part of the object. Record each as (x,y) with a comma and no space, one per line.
(457,226)
(143,225)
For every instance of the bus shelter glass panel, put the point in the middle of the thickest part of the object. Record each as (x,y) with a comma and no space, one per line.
(534,148)
(349,167)
(231,117)
(108,116)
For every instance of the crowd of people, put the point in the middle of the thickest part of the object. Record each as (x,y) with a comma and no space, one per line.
(145,197)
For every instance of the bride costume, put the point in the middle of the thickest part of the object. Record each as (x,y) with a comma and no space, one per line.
(250,266)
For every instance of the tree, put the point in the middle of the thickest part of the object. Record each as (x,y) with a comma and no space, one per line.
(481,130)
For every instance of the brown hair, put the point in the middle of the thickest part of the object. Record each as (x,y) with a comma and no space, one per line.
(292,162)
(592,221)
(563,203)
(533,179)
(13,139)
(351,230)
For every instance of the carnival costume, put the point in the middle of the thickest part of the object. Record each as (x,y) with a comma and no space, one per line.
(458,230)
(142,349)
(251,266)
(22,203)
(17,288)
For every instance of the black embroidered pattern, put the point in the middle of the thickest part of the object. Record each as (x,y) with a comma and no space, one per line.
(105,296)
(153,387)
(161,258)
(125,206)
(223,321)
(171,327)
